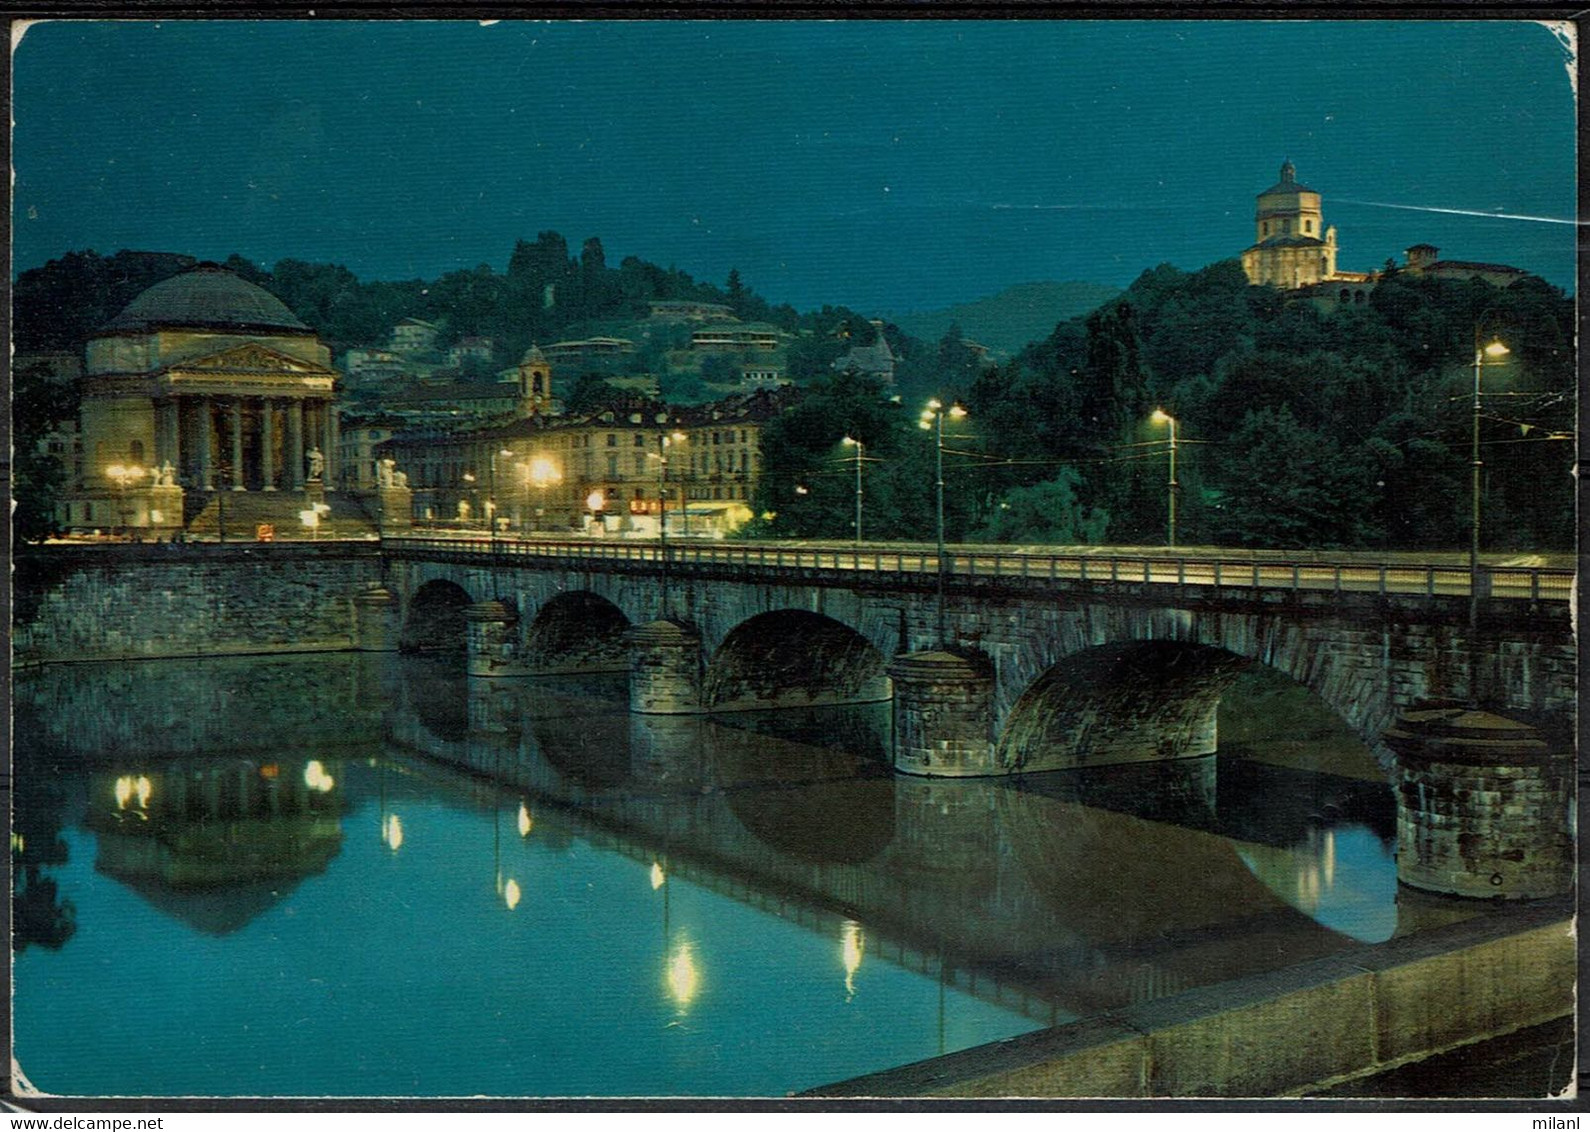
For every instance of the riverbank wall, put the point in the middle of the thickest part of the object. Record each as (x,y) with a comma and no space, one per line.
(103,603)
(1291,1032)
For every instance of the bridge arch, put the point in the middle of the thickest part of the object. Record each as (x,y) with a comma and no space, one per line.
(1129,701)
(1201,653)
(793,658)
(434,621)
(577,631)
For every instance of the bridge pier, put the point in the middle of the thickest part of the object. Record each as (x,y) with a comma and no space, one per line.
(665,668)
(943,714)
(490,637)
(1482,806)
(376,627)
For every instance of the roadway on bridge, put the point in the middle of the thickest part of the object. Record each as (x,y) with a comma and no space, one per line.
(1270,570)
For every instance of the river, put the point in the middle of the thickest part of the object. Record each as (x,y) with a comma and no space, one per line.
(366,875)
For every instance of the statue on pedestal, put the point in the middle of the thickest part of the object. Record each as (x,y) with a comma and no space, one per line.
(317,464)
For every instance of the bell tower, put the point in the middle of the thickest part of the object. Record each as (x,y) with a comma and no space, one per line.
(535,382)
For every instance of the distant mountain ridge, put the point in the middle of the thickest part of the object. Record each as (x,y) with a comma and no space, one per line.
(1023,313)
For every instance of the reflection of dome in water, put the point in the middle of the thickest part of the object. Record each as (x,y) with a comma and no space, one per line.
(816,804)
(228,906)
(215,844)
(206,296)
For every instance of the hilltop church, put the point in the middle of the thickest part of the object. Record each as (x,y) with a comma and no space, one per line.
(1295,251)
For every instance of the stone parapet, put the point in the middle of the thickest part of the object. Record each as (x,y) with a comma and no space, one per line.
(1285,1033)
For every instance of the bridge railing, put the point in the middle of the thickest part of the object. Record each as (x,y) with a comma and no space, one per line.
(1532,583)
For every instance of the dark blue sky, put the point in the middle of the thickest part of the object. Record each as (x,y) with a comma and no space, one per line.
(886,165)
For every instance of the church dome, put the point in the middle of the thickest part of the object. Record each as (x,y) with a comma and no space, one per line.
(206,296)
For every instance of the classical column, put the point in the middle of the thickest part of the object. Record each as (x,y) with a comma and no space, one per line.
(206,464)
(237,443)
(328,443)
(267,444)
(295,445)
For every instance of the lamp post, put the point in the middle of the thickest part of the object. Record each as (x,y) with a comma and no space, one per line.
(850,440)
(684,485)
(1496,351)
(933,418)
(595,503)
(1162,417)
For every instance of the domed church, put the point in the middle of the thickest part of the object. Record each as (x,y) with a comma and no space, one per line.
(205,385)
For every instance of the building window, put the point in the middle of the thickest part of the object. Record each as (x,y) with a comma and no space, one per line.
(640,440)
(612,440)
(612,467)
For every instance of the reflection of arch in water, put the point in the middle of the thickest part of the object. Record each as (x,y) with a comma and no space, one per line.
(862,730)
(1162,907)
(216,842)
(577,632)
(435,621)
(1125,702)
(815,803)
(791,658)
(438,696)
(590,748)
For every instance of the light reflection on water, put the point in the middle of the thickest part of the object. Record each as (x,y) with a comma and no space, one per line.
(518,888)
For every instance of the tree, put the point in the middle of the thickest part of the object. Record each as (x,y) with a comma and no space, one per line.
(1285,485)
(1048,512)
(39,405)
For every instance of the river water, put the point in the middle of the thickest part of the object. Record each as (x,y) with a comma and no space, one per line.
(366,875)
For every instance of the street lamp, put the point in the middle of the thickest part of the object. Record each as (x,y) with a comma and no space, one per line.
(850,440)
(933,418)
(124,475)
(595,503)
(541,472)
(1162,417)
(1496,350)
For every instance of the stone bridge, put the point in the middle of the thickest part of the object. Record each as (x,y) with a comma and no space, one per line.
(1030,672)
(996,662)
(1001,663)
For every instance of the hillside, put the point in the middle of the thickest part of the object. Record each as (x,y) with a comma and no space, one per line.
(1009,320)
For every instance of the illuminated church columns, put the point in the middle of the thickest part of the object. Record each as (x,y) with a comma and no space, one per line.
(244,443)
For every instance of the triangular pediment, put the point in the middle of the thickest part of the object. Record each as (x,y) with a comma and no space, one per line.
(249,358)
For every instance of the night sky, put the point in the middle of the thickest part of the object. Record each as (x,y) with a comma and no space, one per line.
(890,166)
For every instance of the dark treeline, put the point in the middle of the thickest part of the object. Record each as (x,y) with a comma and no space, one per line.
(1346,428)
(1298,427)
(545,293)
